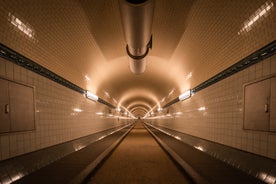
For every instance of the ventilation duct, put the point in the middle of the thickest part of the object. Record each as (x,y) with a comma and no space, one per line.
(137,18)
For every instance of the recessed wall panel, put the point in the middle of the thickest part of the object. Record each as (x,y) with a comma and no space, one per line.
(256,104)
(21,107)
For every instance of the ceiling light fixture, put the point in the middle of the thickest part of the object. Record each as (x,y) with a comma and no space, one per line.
(95,98)
(159,109)
(137,16)
(118,109)
(91,96)
(185,95)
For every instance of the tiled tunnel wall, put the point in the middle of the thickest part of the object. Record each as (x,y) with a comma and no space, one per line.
(221,119)
(56,121)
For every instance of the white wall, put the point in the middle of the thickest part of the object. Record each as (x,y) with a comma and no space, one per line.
(222,121)
(56,121)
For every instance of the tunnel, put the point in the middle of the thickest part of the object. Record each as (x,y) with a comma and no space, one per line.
(137,91)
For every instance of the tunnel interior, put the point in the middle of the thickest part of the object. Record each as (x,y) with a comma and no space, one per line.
(200,72)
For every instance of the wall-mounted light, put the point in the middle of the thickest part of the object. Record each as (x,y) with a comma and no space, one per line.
(118,109)
(185,95)
(137,16)
(91,96)
(95,98)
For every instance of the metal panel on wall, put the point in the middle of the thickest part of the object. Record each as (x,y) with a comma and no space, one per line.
(21,107)
(256,105)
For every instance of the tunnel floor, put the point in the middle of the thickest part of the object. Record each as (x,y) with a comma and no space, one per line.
(138,159)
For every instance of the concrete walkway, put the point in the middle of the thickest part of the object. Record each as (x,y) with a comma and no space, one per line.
(138,159)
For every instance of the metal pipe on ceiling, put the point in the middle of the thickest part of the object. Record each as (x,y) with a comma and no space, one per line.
(137,16)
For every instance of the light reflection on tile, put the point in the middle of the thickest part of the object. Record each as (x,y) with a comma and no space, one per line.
(61,115)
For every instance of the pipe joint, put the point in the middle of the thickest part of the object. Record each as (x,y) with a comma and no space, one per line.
(139,57)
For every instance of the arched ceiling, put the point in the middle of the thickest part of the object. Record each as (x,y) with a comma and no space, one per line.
(192,41)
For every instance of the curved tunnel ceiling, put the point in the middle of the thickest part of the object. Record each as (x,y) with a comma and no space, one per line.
(192,41)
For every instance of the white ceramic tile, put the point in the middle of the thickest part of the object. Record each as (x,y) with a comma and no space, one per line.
(273,64)
(266,67)
(9,70)
(2,67)
(16,73)
(5,145)
(223,118)
(259,70)
(56,122)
